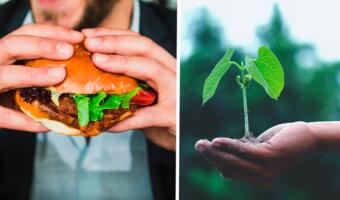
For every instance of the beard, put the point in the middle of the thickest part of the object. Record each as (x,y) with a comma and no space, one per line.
(95,12)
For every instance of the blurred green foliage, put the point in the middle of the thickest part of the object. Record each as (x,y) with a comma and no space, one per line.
(311,94)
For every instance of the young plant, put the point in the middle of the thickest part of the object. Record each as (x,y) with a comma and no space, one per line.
(266,70)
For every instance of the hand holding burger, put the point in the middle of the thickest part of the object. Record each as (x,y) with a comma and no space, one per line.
(88,102)
(128,53)
(30,42)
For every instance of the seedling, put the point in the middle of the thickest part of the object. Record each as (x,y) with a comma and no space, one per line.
(266,70)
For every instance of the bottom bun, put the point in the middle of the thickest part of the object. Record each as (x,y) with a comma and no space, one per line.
(38,112)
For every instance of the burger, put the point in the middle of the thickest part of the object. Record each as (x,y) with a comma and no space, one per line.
(88,102)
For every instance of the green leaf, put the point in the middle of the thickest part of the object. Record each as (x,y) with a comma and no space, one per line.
(125,104)
(97,99)
(91,107)
(215,76)
(112,102)
(131,94)
(268,72)
(82,102)
(247,59)
(126,98)
(95,113)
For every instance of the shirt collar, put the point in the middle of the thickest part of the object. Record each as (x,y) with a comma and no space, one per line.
(135,22)
(28,19)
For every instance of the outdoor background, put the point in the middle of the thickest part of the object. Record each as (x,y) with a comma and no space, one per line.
(306,38)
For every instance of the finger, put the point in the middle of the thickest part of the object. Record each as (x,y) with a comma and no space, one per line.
(161,137)
(15,76)
(95,32)
(268,134)
(145,69)
(232,166)
(204,147)
(19,121)
(147,117)
(258,153)
(50,31)
(226,159)
(131,46)
(16,47)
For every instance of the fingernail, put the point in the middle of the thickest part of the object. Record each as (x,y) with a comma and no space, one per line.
(200,146)
(94,41)
(76,34)
(56,72)
(88,31)
(101,58)
(64,48)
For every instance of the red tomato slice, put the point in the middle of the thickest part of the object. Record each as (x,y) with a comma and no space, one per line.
(144,97)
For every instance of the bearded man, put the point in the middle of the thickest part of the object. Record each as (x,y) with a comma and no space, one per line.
(122,164)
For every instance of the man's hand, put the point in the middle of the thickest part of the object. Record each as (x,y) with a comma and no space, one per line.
(126,52)
(30,42)
(259,164)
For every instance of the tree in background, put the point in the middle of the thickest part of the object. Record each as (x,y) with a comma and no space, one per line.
(311,94)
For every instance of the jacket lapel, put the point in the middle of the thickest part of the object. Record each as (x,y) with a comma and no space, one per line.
(161,162)
(150,24)
(10,21)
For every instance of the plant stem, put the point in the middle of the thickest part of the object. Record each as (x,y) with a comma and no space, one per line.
(245,110)
(237,65)
(247,133)
(248,136)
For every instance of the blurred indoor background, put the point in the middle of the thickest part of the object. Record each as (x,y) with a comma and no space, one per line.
(305,37)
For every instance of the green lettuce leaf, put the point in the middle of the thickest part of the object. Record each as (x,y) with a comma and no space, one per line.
(82,102)
(91,107)
(95,113)
(112,102)
(126,98)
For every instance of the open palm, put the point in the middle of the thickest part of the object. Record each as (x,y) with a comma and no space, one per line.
(259,163)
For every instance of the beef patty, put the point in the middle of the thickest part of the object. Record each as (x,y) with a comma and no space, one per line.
(67,111)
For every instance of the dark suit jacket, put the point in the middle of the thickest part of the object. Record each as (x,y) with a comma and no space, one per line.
(17,149)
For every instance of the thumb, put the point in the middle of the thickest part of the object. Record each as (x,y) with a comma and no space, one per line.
(15,76)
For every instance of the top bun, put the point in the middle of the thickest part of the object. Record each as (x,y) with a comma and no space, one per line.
(83,77)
